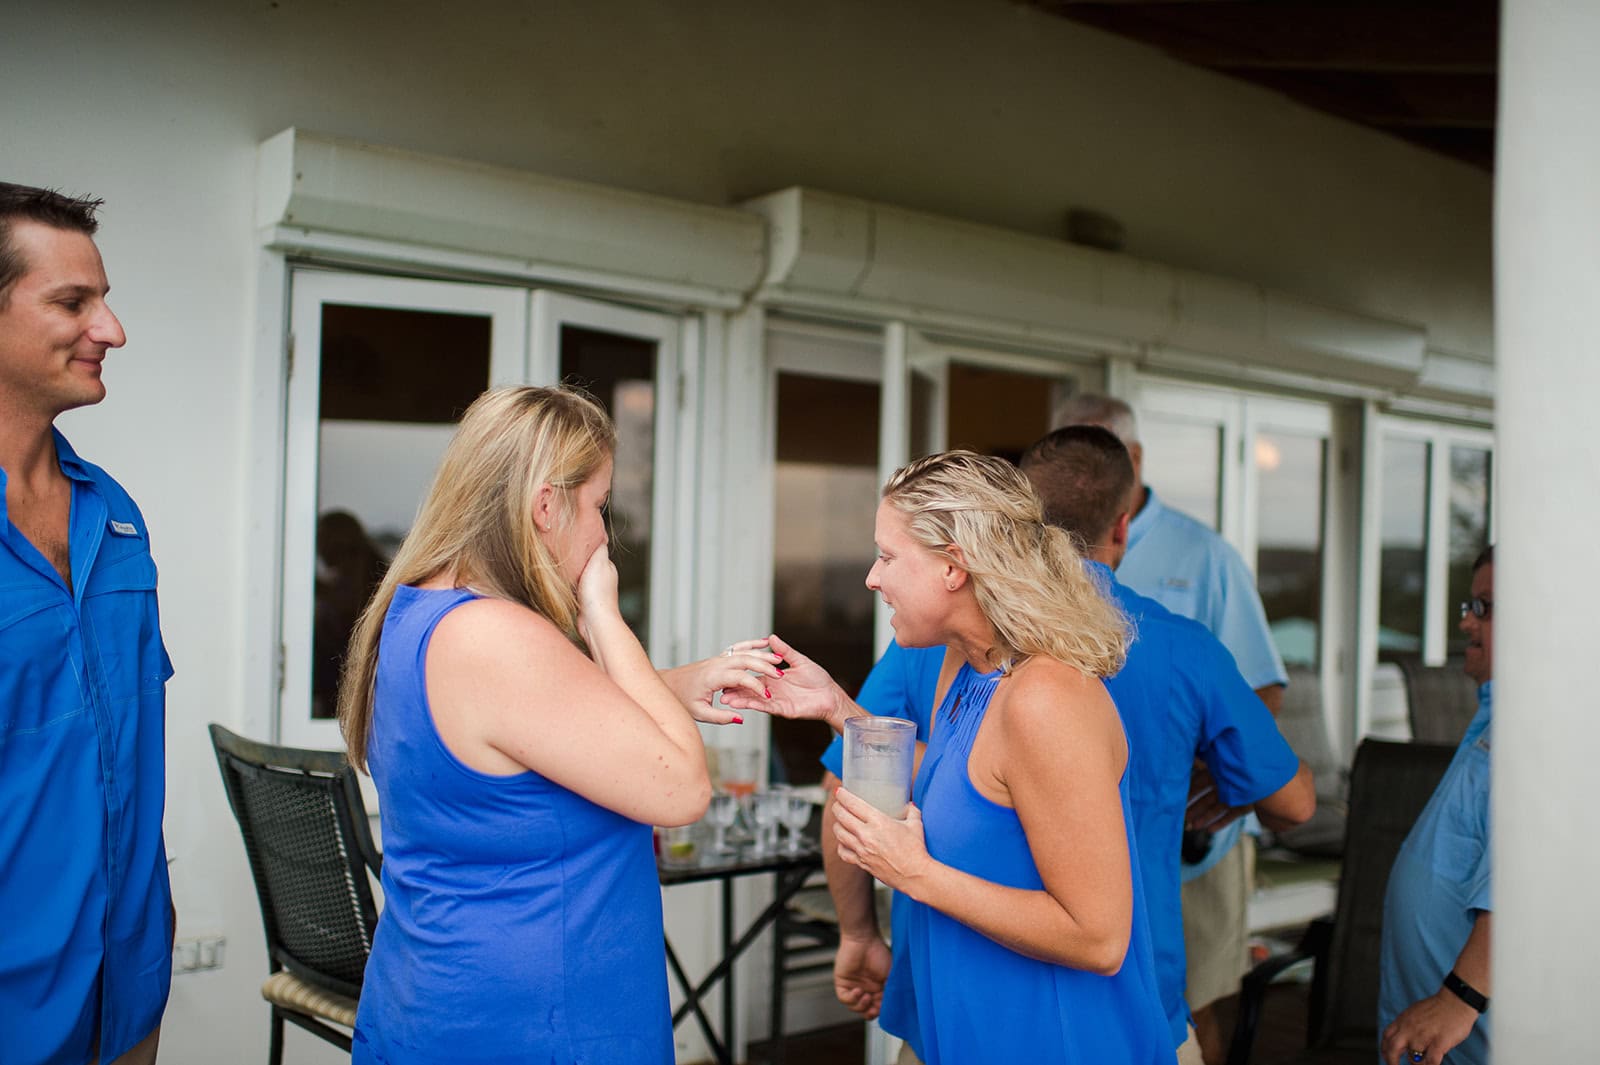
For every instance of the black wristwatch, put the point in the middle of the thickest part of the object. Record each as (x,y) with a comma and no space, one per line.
(1466,992)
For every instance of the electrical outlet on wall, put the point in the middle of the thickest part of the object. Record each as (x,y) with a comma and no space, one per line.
(197,953)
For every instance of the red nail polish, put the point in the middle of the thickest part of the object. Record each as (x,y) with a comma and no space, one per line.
(780,672)
(737,720)
(767,692)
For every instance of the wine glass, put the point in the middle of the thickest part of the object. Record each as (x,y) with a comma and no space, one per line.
(796,815)
(763,811)
(720,815)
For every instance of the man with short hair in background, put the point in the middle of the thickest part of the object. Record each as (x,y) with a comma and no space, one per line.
(87,963)
(1437,910)
(1187,568)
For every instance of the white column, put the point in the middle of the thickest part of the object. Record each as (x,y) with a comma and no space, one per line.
(1547,573)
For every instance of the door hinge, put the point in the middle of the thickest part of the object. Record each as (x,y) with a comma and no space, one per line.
(281,665)
(288,357)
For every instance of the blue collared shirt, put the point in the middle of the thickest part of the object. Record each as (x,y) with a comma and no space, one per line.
(1180,697)
(1187,568)
(87,904)
(1439,884)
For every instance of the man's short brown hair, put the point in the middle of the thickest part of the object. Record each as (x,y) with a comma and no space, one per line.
(45,206)
(1084,475)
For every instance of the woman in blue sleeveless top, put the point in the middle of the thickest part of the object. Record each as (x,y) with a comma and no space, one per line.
(1026,938)
(522,746)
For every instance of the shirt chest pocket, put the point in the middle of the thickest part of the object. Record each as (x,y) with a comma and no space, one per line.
(121,624)
(38,682)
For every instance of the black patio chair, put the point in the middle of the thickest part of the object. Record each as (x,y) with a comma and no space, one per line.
(1440,700)
(1390,783)
(310,849)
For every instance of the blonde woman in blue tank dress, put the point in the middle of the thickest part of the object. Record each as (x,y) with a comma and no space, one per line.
(1027,939)
(522,746)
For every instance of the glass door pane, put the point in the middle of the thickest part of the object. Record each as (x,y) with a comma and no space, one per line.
(998,412)
(1183,464)
(628,360)
(620,372)
(1403,557)
(826,485)
(384,368)
(1291,478)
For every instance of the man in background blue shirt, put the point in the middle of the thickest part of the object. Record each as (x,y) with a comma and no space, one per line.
(87,963)
(1437,909)
(1186,567)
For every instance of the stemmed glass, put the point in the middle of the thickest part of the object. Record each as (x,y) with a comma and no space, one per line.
(763,812)
(720,815)
(796,815)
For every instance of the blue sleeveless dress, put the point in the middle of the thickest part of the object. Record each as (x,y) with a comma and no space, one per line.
(974,1001)
(521,922)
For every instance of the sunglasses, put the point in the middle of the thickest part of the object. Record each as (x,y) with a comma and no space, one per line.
(1478,607)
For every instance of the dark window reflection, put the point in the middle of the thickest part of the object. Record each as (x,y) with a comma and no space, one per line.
(998,412)
(620,371)
(392,385)
(826,484)
(1402,572)
(1289,478)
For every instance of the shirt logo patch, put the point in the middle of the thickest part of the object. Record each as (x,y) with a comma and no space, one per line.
(123,528)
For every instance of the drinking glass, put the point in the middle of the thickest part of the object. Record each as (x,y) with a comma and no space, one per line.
(762,809)
(737,766)
(720,815)
(678,845)
(796,814)
(879,753)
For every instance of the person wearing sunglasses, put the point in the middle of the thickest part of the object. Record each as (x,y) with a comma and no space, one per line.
(1434,993)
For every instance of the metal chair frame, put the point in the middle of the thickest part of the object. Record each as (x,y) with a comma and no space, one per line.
(310,849)
(1390,783)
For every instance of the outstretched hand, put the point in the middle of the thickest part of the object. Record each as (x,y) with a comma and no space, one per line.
(744,670)
(803,691)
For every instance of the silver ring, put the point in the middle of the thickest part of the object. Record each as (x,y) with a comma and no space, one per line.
(727,652)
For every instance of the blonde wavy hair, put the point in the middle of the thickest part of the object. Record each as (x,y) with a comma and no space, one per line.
(477,520)
(1030,581)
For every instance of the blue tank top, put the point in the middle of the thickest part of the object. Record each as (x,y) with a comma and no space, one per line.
(521,922)
(974,1001)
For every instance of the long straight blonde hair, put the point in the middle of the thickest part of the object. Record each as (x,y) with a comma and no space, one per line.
(477,520)
(1029,579)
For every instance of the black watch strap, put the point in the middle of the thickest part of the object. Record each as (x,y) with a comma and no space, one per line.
(1466,992)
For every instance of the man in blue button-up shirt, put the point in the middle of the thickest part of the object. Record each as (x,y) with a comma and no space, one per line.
(1187,568)
(86,962)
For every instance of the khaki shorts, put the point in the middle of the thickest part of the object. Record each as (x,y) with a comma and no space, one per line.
(1189,1051)
(907,1056)
(1216,936)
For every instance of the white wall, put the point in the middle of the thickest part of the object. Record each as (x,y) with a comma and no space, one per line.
(971,108)
(1546,570)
